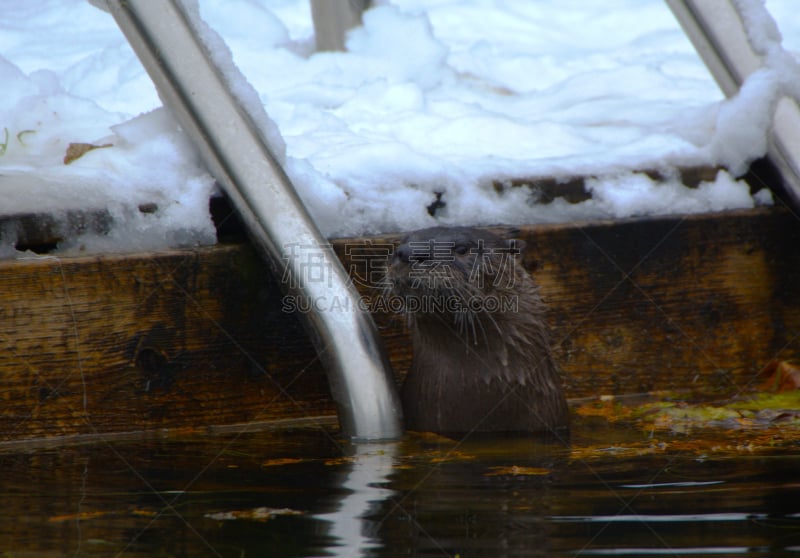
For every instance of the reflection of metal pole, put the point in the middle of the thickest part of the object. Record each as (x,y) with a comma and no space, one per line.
(332,20)
(238,155)
(716,30)
(362,492)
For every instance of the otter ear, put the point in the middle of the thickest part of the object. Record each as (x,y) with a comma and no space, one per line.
(516,246)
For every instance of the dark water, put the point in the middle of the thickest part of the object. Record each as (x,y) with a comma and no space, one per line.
(309,493)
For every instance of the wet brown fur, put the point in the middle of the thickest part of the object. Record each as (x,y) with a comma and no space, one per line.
(483,370)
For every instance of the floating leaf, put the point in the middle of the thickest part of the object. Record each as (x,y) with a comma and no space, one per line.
(281,461)
(607,408)
(87,515)
(443,457)
(682,418)
(622,451)
(780,376)
(340,460)
(433,437)
(515,470)
(255,514)
(80,516)
(787,401)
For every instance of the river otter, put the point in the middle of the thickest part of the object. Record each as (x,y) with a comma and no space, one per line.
(482,359)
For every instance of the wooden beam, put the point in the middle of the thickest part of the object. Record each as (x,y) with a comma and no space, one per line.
(176,339)
(197,338)
(673,303)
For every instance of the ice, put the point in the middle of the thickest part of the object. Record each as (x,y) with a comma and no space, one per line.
(433,100)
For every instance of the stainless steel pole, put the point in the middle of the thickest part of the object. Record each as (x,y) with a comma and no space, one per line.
(719,36)
(332,19)
(237,153)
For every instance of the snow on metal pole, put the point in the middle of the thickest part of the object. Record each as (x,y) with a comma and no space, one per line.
(333,18)
(197,83)
(718,34)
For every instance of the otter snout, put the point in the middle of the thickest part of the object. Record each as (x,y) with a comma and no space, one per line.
(402,253)
(415,251)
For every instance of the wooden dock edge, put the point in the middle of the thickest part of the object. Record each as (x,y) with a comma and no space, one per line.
(199,339)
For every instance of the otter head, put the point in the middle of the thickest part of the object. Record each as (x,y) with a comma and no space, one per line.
(454,276)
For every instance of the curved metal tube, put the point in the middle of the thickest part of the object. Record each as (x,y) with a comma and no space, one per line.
(332,20)
(718,34)
(236,152)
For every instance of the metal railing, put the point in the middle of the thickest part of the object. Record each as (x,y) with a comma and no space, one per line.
(197,89)
(715,28)
(332,19)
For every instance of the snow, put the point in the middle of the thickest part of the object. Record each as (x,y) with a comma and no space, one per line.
(246,96)
(433,98)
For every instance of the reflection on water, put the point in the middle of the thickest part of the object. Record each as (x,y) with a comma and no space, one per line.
(307,493)
(353,530)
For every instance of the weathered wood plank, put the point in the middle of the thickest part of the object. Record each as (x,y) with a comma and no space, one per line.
(682,303)
(200,337)
(698,302)
(139,342)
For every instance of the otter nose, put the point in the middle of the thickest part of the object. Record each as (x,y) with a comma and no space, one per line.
(408,254)
(403,253)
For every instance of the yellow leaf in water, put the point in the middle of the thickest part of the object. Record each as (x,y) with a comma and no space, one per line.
(605,408)
(82,516)
(515,470)
(780,376)
(255,514)
(450,456)
(619,451)
(281,461)
(339,461)
(433,437)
